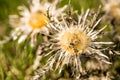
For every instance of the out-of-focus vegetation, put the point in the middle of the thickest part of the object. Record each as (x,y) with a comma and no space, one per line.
(8,7)
(16,61)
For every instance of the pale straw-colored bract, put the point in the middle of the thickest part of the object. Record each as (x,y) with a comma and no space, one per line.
(34,20)
(71,39)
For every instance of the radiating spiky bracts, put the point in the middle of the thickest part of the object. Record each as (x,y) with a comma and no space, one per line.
(35,20)
(72,39)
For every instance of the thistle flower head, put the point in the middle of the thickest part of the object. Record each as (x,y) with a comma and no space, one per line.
(72,39)
(35,20)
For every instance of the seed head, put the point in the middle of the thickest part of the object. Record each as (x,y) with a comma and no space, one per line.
(74,41)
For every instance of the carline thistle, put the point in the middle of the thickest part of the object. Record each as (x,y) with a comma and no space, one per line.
(71,39)
(33,21)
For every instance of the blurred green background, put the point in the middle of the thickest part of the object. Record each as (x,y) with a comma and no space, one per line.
(16,62)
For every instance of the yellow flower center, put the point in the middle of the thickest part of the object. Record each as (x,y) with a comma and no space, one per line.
(74,41)
(38,20)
